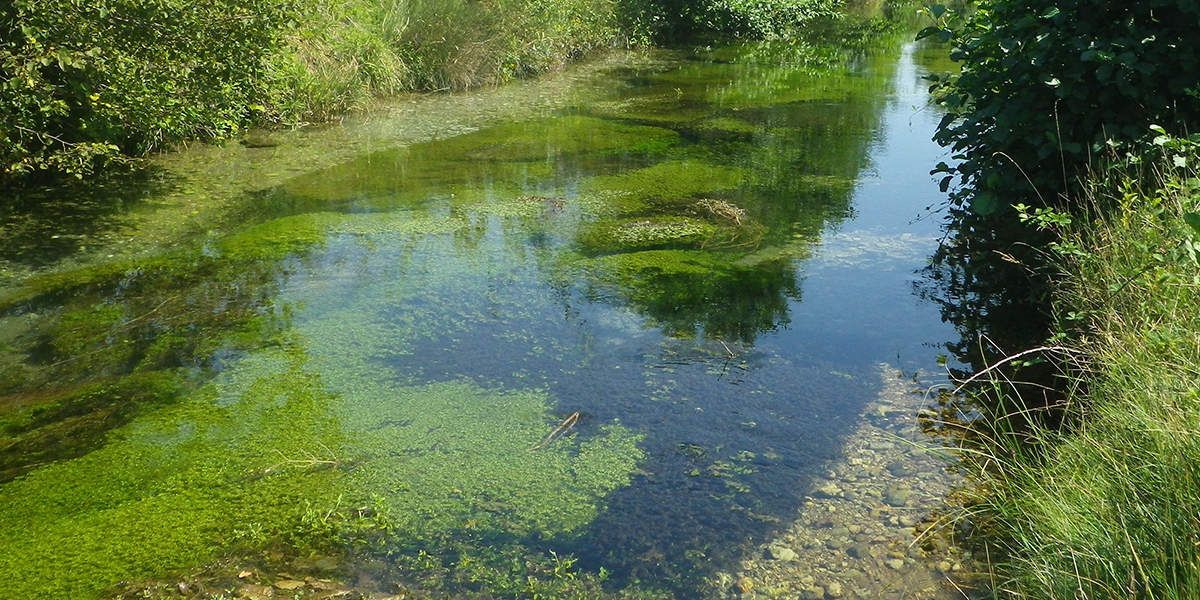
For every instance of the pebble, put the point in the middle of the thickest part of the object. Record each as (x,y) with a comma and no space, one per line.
(744,584)
(833,590)
(828,490)
(907,521)
(782,553)
(815,592)
(895,563)
(251,591)
(896,495)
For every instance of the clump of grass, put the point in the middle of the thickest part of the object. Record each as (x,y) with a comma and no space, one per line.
(1109,506)
(345,53)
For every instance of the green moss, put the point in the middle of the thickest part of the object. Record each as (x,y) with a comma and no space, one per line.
(59,423)
(666,184)
(277,238)
(80,332)
(506,154)
(638,234)
(171,489)
(728,125)
(289,432)
(539,140)
(446,453)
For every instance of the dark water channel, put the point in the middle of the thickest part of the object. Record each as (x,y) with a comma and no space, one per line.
(643,326)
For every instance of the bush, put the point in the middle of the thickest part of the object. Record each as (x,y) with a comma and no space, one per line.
(89,81)
(1048,85)
(675,20)
(1107,508)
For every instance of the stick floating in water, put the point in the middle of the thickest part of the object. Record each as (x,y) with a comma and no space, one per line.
(558,432)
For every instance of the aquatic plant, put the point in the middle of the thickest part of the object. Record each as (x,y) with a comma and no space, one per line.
(644,233)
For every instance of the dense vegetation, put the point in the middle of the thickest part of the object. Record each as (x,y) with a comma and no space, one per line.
(1070,122)
(1107,507)
(1048,86)
(87,85)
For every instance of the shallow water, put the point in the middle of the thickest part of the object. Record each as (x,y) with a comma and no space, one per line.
(634,315)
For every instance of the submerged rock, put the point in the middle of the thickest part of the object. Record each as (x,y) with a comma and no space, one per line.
(782,553)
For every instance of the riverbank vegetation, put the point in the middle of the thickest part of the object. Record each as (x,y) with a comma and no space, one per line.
(1077,185)
(95,86)
(1108,505)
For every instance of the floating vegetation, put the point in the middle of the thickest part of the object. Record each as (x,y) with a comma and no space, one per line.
(670,181)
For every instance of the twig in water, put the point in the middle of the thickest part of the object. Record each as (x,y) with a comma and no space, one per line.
(731,354)
(311,460)
(558,432)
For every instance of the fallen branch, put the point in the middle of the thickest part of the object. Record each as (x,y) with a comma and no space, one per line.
(558,432)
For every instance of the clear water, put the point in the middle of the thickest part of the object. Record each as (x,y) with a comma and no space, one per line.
(633,324)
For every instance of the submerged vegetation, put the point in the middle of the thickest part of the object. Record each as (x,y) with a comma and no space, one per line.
(295,386)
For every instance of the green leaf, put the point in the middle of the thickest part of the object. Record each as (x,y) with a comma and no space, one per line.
(1193,221)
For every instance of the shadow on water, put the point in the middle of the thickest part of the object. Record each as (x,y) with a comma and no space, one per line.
(40,225)
(403,328)
(992,282)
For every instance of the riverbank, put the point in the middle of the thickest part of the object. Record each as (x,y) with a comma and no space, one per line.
(1080,431)
(103,86)
(1107,506)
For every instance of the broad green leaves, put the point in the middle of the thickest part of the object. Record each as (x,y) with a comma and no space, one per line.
(1046,84)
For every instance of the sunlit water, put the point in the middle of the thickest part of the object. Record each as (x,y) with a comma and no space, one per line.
(636,329)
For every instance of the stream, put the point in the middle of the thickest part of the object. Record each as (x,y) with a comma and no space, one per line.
(644,328)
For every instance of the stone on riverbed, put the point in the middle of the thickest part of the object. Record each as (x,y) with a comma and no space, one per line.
(896,495)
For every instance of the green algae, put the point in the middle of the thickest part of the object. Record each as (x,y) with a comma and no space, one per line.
(42,426)
(644,233)
(235,463)
(670,180)
(162,494)
(514,152)
(442,454)
(561,136)
(671,183)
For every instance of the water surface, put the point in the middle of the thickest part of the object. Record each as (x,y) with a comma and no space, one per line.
(634,326)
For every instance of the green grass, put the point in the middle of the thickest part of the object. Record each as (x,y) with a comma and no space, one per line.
(345,53)
(1109,506)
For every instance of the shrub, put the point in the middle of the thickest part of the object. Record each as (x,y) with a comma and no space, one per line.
(1046,85)
(85,81)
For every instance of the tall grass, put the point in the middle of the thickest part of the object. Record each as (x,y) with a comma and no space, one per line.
(344,53)
(1109,506)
